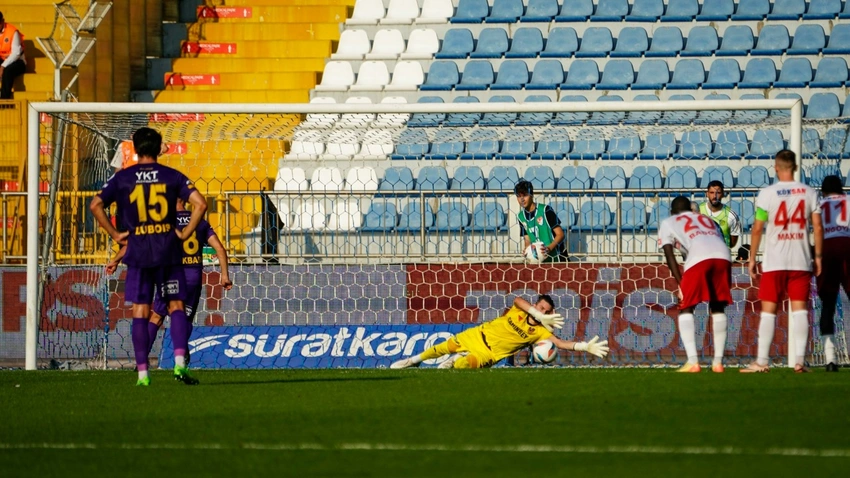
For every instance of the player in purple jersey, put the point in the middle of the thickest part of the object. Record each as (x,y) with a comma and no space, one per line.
(147,195)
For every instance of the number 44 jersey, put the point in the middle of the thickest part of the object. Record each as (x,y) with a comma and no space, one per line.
(787,208)
(696,236)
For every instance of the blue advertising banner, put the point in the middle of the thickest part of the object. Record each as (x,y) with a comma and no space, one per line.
(354,346)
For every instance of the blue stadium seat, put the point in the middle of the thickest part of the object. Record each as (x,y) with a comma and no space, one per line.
(784,113)
(823,105)
(502,178)
(583,75)
(753,177)
(760,73)
(688,75)
(646,11)
(811,143)
(694,145)
(737,40)
(567,118)
(575,11)
(468,178)
(643,117)
(526,43)
(787,10)
(535,119)
(505,11)
(594,216)
(595,43)
(463,119)
(632,215)
(587,145)
(746,211)
(607,117)
(839,40)
(822,10)
(547,75)
(752,10)
(631,43)
(492,43)
(652,75)
(659,212)
(749,116)
(470,11)
(411,218)
(795,73)
(380,217)
(398,179)
(831,73)
(730,145)
(443,75)
(610,11)
(714,117)
(477,75)
(432,178)
(457,43)
(716,10)
(562,42)
(659,146)
(773,41)
(609,177)
(666,42)
(488,216)
(448,144)
(717,173)
(574,178)
(555,144)
(518,144)
(411,144)
(645,178)
(845,13)
(624,144)
(680,11)
(702,41)
(808,40)
(678,117)
(427,119)
(566,213)
(512,75)
(835,144)
(499,119)
(451,216)
(679,178)
(724,74)
(483,143)
(766,143)
(540,11)
(814,175)
(541,177)
(618,75)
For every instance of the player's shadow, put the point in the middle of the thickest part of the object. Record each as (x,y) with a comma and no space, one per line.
(305,380)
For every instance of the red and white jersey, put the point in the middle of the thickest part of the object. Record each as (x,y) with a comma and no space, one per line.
(696,236)
(835,215)
(789,206)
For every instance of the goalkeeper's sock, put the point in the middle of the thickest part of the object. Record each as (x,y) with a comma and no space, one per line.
(153,329)
(445,348)
(179,334)
(688,332)
(801,335)
(139,335)
(718,325)
(829,348)
(767,325)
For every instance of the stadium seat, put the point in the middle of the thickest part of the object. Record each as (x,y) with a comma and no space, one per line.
(568,118)
(435,11)
(688,75)
(753,177)
(547,75)
(492,43)
(811,143)
(716,10)
(717,173)
(499,119)
(345,216)
(680,178)
(372,76)
(618,75)
(462,119)
(737,40)
(702,41)
(749,116)
(397,179)
(540,11)
(746,211)
(448,144)
(583,75)
(652,75)
(835,144)
(566,213)
(412,217)
(427,119)
(610,11)
(326,179)
(451,216)
(587,144)
(488,216)
(659,146)
(666,42)
(541,177)
(407,76)
(787,10)
(595,43)
(765,144)
(320,121)
(366,12)
(594,216)
(575,11)
(306,144)
(526,43)
(773,40)
(535,119)
(823,105)
(457,44)
(822,10)
(432,178)
(343,144)
(376,144)
(643,117)
(680,11)
(715,116)
(631,43)
(483,143)
(759,73)
(356,120)
(554,145)
(401,12)
(309,215)
(632,215)
(730,145)
(694,145)
(505,11)
(380,217)
(839,40)
(422,44)
(470,11)
(338,76)
(442,75)
(624,144)
(609,177)
(678,117)
(411,144)
(808,40)
(814,175)
(752,10)
(518,144)
(512,75)
(831,73)
(659,212)
(724,74)
(562,42)
(468,178)
(502,178)
(607,117)
(645,178)
(290,180)
(353,45)
(361,178)
(387,45)
(477,75)
(785,113)
(574,178)
(646,11)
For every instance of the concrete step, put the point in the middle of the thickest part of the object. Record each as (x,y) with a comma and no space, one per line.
(241,81)
(233,48)
(267,31)
(21,13)
(242,65)
(222,96)
(276,14)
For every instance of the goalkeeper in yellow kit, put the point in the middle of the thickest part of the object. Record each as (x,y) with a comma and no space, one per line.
(523,324)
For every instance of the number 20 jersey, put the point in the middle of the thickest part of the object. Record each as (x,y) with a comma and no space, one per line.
(696,236)
(789,206)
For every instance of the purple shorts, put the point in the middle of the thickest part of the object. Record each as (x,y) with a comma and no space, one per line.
(143,284)
(194,286)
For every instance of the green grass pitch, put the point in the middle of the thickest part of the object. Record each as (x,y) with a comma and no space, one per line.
(500,422)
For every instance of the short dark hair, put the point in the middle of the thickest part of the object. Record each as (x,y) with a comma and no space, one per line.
(147,142)
(680,204)
(788,158)
(524,187)
(831,185)
(715,183)
(547,298)
(743,253)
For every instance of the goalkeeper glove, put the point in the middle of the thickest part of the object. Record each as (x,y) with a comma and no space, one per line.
(595,347)
(547,320)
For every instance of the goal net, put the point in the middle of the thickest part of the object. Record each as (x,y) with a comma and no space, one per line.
(360,233)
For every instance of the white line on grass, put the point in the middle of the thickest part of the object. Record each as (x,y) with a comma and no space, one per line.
(627,450)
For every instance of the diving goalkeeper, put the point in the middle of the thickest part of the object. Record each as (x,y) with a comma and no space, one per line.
(523,324)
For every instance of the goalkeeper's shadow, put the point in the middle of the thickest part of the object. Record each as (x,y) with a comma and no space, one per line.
(303,380)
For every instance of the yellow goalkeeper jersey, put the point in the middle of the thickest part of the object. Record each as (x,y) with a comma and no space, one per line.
(505,335)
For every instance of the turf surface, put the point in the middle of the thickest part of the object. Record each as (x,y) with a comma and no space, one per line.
(502,422)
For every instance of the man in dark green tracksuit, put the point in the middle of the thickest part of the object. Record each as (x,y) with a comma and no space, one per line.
(539,224)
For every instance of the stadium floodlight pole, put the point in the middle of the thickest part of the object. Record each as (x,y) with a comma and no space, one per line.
(33,306)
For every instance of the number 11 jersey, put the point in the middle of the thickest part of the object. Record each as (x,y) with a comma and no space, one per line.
(788,207)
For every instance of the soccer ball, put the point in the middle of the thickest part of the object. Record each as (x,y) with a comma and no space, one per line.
(533,253)
(545,351)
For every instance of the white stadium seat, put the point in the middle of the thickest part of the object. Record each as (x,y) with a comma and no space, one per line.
(372,76)
(401,12)
(353,44)
(338,76)
(367,12)
(309,216)
(345,216)
(391,120)
(306,144)
(377,144)
(326,180)
(407,76)
(320,120)
(343,144)
(422,44)
(387,45)
(361,178)
(435,11)
(356,120)
(290,179)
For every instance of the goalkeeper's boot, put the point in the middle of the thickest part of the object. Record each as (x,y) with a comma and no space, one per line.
(181,374)
(800,368)
(755,368)
(404,363)
(831,367)
(718,368)
(689,368)
(143,382)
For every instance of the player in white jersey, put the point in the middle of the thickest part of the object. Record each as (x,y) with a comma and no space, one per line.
(784,212)
(836,260)
(707,276)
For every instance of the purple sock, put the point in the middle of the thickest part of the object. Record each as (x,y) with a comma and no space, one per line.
(180,329)
(140,343)
(153,329)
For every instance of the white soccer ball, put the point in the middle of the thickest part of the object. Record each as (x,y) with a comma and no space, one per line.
(534,253)
(545,351)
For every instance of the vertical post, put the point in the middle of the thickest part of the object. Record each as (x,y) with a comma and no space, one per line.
(796,145)
(32,240)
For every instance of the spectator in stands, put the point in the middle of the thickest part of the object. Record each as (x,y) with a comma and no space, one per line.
(722,214)
(539,224)
(14,62)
